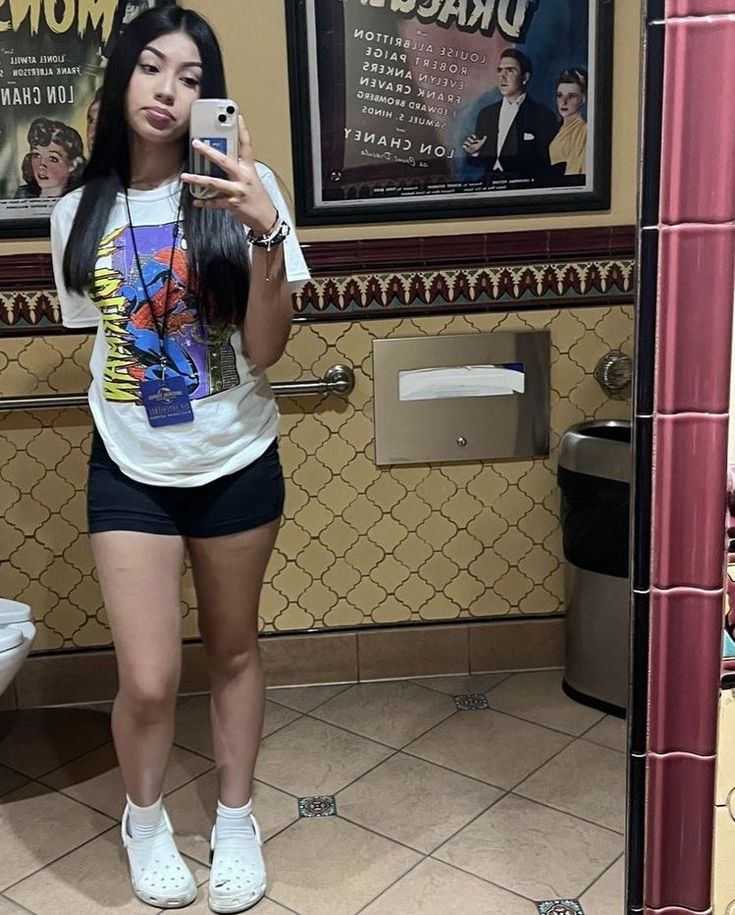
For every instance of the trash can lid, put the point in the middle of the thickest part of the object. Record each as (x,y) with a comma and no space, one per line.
(600,448)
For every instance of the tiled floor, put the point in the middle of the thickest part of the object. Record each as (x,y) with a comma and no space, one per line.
(439,811)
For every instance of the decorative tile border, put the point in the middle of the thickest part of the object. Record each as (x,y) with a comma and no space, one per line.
(508,271)
(512,287)
(516,287)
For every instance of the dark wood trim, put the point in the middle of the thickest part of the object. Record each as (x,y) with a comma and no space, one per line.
(33,271)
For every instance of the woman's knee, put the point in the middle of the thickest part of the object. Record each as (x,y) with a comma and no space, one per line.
(148,697)
(231,661)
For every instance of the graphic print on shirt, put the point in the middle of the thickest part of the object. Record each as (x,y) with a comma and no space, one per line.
(200,354)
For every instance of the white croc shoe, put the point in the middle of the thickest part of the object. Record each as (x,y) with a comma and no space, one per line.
(157,871)
(237,879)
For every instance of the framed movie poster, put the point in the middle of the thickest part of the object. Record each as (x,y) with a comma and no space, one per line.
(52,60)
(411,109)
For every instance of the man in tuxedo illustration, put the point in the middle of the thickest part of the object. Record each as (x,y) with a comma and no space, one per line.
(512,136)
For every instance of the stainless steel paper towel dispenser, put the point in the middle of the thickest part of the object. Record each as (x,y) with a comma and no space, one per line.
(461,397)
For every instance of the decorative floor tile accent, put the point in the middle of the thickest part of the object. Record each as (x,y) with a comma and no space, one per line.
(320,806)
(471,702)
(560,907)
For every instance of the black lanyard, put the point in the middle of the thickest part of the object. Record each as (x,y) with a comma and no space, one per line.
(160,329)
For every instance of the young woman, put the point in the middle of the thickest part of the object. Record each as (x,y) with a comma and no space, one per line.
(55,160)
(568,149)
(192,301)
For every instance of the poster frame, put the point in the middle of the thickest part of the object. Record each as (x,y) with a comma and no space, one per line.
(309,212)
(28,226)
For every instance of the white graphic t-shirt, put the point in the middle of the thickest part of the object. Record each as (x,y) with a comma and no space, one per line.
(235,415)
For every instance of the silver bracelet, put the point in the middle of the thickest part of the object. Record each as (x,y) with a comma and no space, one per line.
(270,240)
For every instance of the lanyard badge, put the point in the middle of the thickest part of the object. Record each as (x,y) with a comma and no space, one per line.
(166,399)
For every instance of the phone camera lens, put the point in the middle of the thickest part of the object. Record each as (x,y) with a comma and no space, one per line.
(230,109)
(222,118)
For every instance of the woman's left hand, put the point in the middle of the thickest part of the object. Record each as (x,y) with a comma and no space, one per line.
(242,192)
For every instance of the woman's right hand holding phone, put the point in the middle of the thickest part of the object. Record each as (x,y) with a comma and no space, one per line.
(242,192)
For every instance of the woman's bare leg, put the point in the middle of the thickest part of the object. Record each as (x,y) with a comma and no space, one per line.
(140,575)
(228,574)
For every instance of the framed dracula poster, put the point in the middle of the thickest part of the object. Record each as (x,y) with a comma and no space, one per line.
(406,109)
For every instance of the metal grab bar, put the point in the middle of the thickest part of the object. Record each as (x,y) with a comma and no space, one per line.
(339,379)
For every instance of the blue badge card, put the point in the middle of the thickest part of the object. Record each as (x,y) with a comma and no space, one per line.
(166,402)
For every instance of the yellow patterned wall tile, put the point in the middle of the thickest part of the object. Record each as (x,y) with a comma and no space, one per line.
(438,571)
(57,534)
(513,546)
(13,581)
(390,574)
(411,511)
(362,514)
(387,533)
(383,526)
(413,551)
(342,577)
(462,508)
(293,617)
(272,602)
(436,530)
(339,537)
(344,614)
(337,495)
(60,578)
(386,491)
(391,611)
(367,595)
(315,559)
(513,586)
(26,516)
(360,473)
(464,590)
(415,593)
(317,600)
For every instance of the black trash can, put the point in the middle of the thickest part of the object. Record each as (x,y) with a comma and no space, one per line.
(594,478)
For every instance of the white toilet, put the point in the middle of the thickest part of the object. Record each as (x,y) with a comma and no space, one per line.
(16,637)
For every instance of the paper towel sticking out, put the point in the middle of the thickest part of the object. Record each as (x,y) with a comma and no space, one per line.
(461,381)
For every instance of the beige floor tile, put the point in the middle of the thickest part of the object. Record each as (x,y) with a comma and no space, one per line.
(538,697)
(192,810)
(10,908)
(312,757)
(34,741)
(585,780)
(607,896)
(611,732)
(304,698)
(393,713)
(455,686)
(434,888)
(38,825)
(95,778)
(200,907)
(414,802)
(90,880)
(10,780)
(490,746)
(331,867)
(193,730)
(532,850)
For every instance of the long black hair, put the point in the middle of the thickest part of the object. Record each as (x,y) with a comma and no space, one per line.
(217,251)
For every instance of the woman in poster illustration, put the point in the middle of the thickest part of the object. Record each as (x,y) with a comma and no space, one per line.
(568,149)
(55,161)
(192,301)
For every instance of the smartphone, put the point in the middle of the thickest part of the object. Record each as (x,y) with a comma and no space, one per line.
(213,121)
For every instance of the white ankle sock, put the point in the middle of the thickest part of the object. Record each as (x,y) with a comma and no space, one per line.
(145,822)
(234,822)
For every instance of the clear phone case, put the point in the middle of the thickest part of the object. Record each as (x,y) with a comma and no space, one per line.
(214,122)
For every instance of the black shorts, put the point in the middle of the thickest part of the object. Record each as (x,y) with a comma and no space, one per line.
(234,503)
